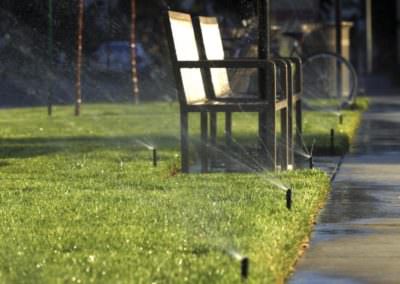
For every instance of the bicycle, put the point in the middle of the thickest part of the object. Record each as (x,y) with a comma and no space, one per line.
(329,80)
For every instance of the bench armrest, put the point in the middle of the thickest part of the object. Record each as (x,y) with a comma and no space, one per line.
(298,74)
(228,63)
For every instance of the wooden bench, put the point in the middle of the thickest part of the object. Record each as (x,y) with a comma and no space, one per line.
(210,46)
(203,87)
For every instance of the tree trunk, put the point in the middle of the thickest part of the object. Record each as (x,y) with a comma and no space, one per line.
(50,56)
(135,80)
(78,97)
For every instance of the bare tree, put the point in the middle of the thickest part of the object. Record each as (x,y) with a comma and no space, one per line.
(135,80)
(50,54)
(78,98)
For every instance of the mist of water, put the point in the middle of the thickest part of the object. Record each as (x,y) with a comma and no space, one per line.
(148,146)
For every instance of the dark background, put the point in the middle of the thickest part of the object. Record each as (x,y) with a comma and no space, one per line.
(28,74)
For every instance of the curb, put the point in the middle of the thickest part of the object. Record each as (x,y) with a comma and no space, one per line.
(337,168)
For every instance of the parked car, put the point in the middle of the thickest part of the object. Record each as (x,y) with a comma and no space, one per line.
(115,56)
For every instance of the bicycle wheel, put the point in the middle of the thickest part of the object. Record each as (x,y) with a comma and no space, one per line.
(330,81)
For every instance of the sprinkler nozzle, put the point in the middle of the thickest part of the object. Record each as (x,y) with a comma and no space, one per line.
(311,161)
(289,199)
(332,146)
(340,119)
(244,263)
(154,157)
(244,267)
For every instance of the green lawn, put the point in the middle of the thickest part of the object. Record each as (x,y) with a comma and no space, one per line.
(81,202)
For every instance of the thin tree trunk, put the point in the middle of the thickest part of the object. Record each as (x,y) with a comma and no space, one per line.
(78,98)
(50,55)
(135,80)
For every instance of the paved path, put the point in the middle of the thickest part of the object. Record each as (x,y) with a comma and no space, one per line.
(357,239)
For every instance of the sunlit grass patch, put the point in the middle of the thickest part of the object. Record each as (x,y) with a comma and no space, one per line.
(80,201)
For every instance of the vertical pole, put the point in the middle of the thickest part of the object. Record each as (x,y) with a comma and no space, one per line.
(154,152)
(263,11)
(332,142)
(50,54)
(228,138)
(244,267)
(264,24)
(204,142)
(263,7)
(213,137)
(110,34)
(368,21)
(398,30)
(184,142)
(291,91)
(338,24)
(284,147)
(78,95)
(269,140)
(228,129)
(299,123)
(135,81)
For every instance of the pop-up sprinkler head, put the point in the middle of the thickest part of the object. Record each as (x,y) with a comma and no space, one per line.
(311,159)
(289,199)
(154,150)
(244,263)
(332,145)
(244,267)
(340,119)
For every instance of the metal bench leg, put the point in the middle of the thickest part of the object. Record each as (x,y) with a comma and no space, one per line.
(213,136)
(228,138)
(263,135)
(284,147)
(184,142)
(269,139)
(290,121)
(204,142)
(290,137)
(299,123)
(228,129)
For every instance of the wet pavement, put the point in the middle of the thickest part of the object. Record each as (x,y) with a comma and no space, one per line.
(357,239)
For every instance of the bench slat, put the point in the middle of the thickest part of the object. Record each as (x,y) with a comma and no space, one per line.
(214,50)
(186,49)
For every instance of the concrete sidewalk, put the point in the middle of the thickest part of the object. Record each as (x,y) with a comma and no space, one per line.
(357,239)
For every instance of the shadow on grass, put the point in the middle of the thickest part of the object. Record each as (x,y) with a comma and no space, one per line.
(32,147)
(323,144)
(41,146)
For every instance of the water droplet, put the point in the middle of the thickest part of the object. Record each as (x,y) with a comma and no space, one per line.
(91,258)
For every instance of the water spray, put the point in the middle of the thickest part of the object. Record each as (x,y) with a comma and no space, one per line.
(165,5)
(289,200)
(151,148)
(244,263)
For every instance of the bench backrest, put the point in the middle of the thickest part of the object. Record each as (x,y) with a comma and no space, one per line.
(182,42)
(214,50)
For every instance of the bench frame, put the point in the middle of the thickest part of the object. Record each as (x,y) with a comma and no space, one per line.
(267,105)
